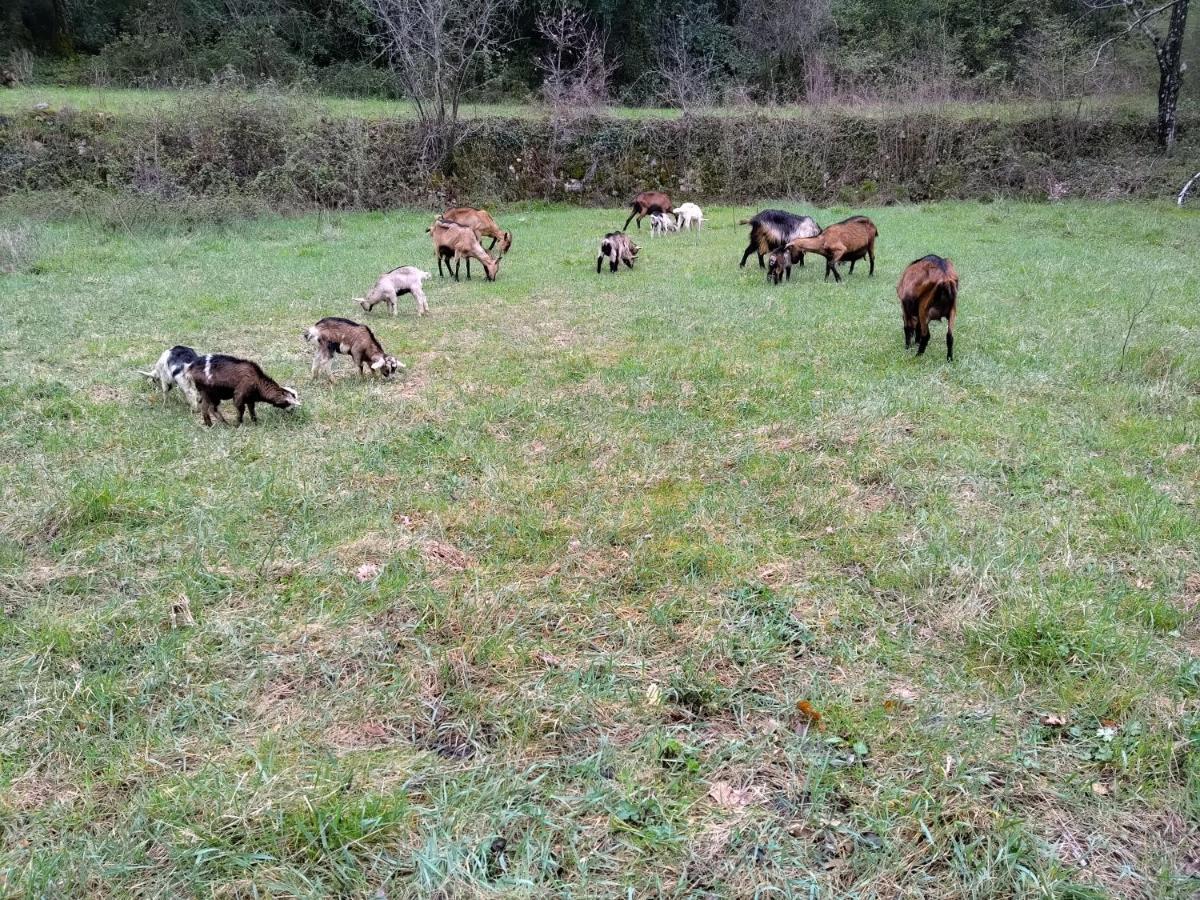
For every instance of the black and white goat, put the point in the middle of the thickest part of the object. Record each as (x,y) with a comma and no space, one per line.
(169,373)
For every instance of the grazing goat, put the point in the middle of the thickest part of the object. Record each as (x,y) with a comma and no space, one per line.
(404,280)
(849,240)
(617,248)
(218,377)
(333,335)
(772,229)
(479,221)
(648,202)
(928,290)
(687,214)
(169,372)
(454,243)
(661,223)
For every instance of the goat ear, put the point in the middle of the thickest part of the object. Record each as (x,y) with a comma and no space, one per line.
(379,363)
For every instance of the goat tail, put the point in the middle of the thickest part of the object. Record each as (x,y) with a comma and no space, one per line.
(948,291)
(745,221)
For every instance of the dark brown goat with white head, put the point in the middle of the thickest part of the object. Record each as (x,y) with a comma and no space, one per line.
(772,229)
(617,248)
(847,241)
(333,335)
(218,377)
(648,202)
(928,290)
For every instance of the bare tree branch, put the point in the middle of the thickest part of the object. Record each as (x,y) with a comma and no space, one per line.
(436,48)
(1187,188)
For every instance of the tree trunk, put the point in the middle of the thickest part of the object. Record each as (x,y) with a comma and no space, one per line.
(1170,68)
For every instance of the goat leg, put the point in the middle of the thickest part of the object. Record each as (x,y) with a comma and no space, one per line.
(746,256)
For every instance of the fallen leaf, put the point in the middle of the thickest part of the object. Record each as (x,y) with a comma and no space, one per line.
(653,694)
(1100,790)
(181,613)
(809,715)
(724,794)
(549,659)
(1052,720)
(1143,584)
(366,572)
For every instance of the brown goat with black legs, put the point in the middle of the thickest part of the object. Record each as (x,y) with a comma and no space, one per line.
(847,241)
(454,243)
(928,290)
(772,229)
(617,248)
(218,377)
(479,221)
(648,202)
(333,335)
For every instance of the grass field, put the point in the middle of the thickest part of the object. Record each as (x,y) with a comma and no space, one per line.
(140,102)
(675,584)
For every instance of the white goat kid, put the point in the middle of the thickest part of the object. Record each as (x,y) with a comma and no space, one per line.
(404,280)
(688,214)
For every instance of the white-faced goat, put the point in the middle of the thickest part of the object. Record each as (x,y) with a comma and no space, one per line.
(169,372)
(454,243)
(689,214)
(617,248)
(404,280)
(772,229)
(218,377)
(662,223)
(333,335)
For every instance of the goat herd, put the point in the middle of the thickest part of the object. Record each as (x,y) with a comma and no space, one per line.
(928,291)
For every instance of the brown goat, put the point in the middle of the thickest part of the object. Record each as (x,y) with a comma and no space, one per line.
(454,243)
(847,241)
(333,335)
(218,377)
(479,221)
(648,202)
(928,290)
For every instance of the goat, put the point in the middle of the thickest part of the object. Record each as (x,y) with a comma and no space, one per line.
(689,213)
(455,243)
(848,240)
(479,221)
(217,377)
(779,266)
(661,223)
(169,372)
(333,335)
(648,202)
(928,290)
(617,248)
(773,229)
(404,280)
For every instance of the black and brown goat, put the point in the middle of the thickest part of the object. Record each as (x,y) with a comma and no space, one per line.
(481,222)
(772,229)
(333,335)
(846,241)
(218,377)
(648,202)
(928,290)
(617,248)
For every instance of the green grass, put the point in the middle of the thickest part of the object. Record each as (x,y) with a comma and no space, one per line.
(129,101)
(624,525)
